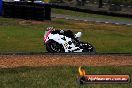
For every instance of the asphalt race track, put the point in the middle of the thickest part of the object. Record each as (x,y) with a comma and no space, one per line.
(98,20)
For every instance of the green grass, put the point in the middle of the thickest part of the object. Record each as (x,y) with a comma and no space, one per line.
(81,14)
(15,37)
(57,77)
(19,36)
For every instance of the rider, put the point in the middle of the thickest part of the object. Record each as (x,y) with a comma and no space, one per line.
(67,33)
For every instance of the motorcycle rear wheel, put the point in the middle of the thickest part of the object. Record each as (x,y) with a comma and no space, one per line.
(88,48)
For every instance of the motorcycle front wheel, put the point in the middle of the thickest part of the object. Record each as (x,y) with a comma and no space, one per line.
(53,46)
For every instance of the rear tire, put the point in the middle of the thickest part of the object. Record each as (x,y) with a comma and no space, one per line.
(53,46)
(88,48)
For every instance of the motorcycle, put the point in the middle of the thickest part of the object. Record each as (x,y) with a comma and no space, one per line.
(61,43)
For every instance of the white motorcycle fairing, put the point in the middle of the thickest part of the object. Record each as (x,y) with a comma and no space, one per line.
(67,43)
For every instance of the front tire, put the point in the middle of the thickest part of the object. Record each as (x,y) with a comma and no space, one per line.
(53,46)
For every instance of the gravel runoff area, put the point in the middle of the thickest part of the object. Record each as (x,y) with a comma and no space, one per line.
(10,61)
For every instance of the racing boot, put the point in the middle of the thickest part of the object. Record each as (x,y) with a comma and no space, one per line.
(77,38)
(78,35)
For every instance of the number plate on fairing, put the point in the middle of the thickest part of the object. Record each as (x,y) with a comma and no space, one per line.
(66,45)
